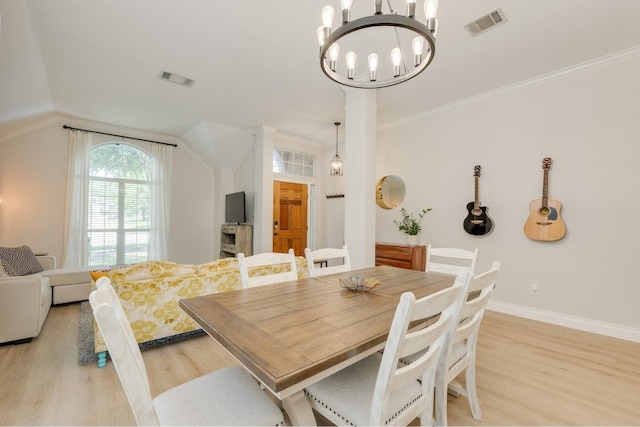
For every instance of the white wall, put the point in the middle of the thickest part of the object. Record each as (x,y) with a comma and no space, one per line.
(587,121)
(33,168)
(193,229)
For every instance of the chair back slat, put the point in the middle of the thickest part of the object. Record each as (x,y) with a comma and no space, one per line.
(266,259)
(326,254)
(430,340)
(451,260)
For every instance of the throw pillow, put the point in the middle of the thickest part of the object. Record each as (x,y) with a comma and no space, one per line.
(19,261)
(96,274)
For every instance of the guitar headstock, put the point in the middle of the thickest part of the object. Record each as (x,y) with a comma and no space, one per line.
(546,163)
(476,170)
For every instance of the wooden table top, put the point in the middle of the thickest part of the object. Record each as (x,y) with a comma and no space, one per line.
(288,332)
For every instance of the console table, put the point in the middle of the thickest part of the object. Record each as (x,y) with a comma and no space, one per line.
(403,256)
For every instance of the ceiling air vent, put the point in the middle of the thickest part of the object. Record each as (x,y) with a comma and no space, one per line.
(486,22)
(175,78)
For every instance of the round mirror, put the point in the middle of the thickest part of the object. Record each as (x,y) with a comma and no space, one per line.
(389,191)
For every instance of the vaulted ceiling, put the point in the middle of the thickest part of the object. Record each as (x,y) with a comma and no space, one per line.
(255,62)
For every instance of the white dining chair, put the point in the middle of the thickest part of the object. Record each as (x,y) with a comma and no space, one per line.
(326,255)
(462,356)
(451,260)
(461,352)
(229,396)
(270,262)
(376,391)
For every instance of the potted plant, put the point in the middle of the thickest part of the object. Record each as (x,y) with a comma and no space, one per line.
(410,225)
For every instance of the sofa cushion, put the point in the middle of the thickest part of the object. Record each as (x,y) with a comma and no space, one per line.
(222,264)
(150,270)
(68,275)
(19,261)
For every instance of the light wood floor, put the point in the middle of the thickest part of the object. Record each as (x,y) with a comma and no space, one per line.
(529,373)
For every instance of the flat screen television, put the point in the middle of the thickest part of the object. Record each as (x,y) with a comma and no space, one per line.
(235,208)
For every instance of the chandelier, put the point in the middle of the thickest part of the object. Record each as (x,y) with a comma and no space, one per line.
(336,162)
(383,49)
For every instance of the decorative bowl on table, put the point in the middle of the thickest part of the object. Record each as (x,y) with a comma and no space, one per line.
(358,283)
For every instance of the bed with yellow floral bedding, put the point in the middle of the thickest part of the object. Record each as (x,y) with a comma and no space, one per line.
(150,291)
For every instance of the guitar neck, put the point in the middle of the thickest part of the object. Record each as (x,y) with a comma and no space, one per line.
(545,189)
(476,203)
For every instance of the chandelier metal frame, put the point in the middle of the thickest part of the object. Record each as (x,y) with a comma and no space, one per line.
(379,19)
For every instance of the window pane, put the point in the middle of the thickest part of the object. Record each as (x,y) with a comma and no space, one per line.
(136,206)
(278,165)
(102,248)
(119,205)
(293,163)
(136,247)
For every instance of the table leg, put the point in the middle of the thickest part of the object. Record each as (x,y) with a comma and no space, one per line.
(299,410)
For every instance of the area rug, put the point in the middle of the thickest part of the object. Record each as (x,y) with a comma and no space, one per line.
(86,350)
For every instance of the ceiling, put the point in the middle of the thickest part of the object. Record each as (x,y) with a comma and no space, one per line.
(255,62)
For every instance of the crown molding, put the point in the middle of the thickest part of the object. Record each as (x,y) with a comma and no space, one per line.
(61,119)
(619,56)
(23,129)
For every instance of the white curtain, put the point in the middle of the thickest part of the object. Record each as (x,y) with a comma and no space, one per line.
(160,197)
(76,210)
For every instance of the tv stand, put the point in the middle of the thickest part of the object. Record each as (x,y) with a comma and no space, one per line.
(236,238)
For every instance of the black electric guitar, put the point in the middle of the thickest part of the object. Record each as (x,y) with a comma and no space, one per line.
(477,222)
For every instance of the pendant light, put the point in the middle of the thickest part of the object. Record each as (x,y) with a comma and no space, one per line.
(336,162)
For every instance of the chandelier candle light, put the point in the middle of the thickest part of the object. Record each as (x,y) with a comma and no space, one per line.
(336,162)
(401,36)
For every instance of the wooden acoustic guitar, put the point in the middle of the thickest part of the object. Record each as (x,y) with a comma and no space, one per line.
(477,221)
(544,222)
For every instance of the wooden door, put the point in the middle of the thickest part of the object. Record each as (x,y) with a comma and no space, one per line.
(289,217)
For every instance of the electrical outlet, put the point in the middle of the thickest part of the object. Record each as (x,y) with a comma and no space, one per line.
(535,289)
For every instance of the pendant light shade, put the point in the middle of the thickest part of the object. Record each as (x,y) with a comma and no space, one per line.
(336,162)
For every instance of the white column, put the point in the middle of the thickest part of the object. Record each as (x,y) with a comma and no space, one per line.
(263,202)
(359,176)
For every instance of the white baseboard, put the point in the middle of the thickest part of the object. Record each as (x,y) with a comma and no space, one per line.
(574,322)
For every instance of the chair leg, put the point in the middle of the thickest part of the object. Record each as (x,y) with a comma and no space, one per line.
(426,418)
(441,401)
(102,359)
(472,393)
(455,389)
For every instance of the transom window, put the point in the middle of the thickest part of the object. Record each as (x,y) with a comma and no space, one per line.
(293,162)
(119,205)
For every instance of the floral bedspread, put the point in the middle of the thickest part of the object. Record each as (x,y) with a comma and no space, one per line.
(149,293)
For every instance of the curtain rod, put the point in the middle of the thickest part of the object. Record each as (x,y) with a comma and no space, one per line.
(119,136)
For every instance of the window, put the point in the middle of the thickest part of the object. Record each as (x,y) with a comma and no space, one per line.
(119,205)
(293,163)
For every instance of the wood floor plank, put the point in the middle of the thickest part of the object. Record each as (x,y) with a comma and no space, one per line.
(529,373)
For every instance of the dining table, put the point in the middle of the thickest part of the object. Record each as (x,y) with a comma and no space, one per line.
(292,334)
